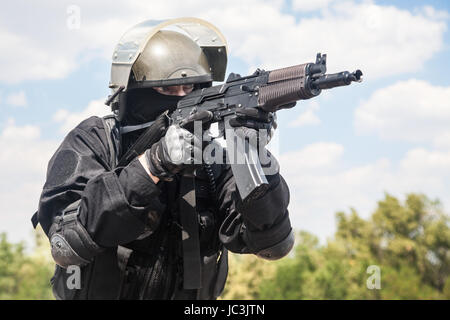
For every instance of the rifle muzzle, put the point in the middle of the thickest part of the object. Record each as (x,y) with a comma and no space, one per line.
(339,79)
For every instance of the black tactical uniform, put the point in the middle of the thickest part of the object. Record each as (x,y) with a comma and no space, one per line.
(130,237)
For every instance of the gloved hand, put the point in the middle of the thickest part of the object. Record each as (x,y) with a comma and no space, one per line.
(174,153)
(253,119)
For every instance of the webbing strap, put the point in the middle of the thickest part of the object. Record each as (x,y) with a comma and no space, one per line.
(35,220)
(151,135)
(127,129)
(192,268)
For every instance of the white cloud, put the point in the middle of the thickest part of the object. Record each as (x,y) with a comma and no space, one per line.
(426,163)
(308,117)
(442,141)
(70,120)
(23,160)
(24,59)
(319,191)
(17,99)
(315,155)
(412,110)
(381,40)
(13,133)
(310,5)
(434,14)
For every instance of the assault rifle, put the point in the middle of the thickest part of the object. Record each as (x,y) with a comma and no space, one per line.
(268,90)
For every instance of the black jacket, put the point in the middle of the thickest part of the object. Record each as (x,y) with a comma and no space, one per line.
(127,219)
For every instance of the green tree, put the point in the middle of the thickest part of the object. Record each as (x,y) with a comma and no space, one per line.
(408,242)
(414,237)
(246,276)
(25,275)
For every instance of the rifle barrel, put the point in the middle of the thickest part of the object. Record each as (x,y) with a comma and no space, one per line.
(339,79)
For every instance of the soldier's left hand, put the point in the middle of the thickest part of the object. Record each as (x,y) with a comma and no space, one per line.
(255,119)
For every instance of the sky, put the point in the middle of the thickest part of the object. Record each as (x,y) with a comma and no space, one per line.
(344,149)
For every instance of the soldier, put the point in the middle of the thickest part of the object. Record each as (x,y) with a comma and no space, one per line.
(125,225)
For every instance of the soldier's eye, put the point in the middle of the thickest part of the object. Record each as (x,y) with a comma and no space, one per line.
(188,88)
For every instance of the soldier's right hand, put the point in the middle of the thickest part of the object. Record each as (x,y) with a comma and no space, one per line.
(173,153)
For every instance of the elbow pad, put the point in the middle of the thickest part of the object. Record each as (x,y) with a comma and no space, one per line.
(279,250)
(70,243)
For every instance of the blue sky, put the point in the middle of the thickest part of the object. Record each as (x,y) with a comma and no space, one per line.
(343,149)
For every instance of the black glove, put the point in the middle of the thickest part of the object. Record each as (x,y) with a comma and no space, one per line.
(173,153)
(252,120)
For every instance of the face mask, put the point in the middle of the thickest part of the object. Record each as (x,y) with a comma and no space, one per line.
(144,105)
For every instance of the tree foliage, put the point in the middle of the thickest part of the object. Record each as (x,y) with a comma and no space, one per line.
(24,275)
(408,242)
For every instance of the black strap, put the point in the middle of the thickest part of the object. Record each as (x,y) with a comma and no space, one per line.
(111,126)
(127,129)
(150,136)
(189,235)
(35,220)
(222,273)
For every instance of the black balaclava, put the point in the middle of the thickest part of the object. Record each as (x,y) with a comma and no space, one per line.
(144,105)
